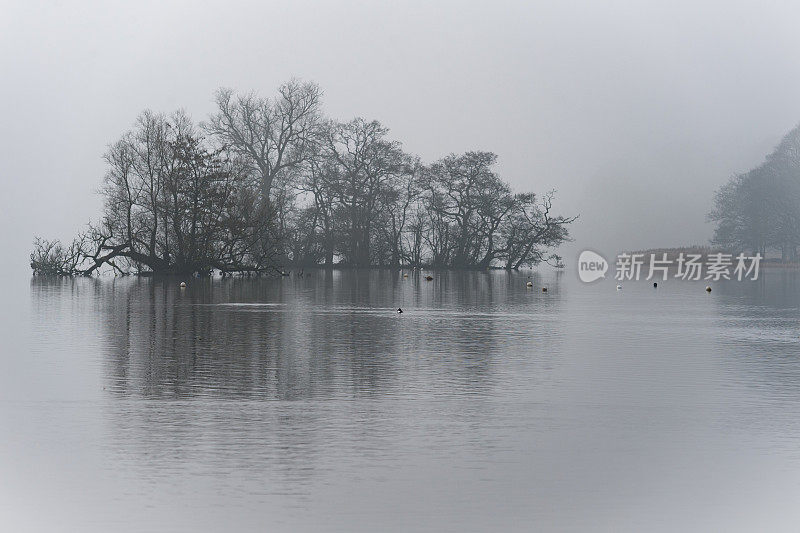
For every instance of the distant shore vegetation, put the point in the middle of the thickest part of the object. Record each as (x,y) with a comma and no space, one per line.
(759,211)
(269,183)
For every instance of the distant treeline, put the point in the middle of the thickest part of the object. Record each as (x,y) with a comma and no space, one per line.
(266,183)
(759,211)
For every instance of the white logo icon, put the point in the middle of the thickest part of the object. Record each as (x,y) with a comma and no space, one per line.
(591,266)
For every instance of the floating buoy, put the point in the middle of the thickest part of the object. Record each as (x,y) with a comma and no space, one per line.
(655,284)
(183,284)
(708,288)
(529,284)
(429,278)
(544,289)
(619,287)
(399,311)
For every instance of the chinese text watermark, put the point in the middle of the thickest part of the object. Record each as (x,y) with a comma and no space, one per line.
(684,266)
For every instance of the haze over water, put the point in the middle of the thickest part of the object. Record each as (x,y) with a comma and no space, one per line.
(309,403)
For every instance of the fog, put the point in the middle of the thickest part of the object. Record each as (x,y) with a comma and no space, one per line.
(635,112)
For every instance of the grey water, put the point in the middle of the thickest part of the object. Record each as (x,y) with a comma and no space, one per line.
(310,404)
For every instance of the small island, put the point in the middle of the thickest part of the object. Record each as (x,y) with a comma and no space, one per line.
(269,183)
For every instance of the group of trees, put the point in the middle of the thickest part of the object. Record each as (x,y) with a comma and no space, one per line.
(759,211)
(269,182)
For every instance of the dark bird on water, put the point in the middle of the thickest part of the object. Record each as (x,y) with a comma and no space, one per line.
(429,278)
(399,311)
(655,284)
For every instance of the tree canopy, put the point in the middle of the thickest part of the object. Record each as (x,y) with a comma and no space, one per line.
(759,210)
(265,183)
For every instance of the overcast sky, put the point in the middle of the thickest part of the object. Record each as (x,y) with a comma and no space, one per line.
(634,111)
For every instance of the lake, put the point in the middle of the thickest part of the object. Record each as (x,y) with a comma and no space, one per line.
(310,404)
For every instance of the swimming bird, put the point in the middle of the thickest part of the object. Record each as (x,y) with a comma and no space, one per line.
(708,288)
(183,284)
(544,289)
(619,287)
(655,284)
(429,278)
(529,284)
(399,311)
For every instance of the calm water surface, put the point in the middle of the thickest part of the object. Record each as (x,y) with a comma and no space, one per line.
(310,404)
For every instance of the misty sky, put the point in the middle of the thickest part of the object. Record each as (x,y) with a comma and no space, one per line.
(634,111)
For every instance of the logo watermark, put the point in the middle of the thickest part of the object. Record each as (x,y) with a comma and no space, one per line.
(686,266)
(591,266)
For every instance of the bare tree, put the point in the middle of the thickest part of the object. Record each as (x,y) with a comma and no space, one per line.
(275,136)
(51,258)
(464,193)
(363,163)
(171,205)
(531,231)
(474,220)
(399,199)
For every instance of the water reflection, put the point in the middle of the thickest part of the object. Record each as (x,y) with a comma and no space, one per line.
(484,406)
(355,392)
(329,334)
